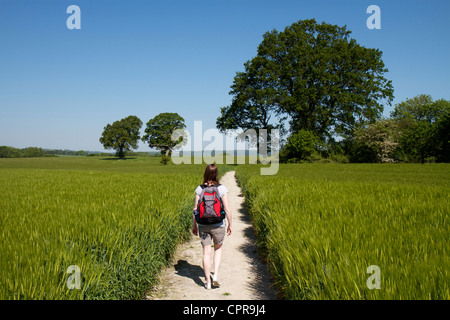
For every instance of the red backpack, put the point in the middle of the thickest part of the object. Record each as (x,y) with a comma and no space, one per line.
(210,206)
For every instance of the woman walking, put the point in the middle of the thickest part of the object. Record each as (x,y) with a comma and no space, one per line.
(211,229)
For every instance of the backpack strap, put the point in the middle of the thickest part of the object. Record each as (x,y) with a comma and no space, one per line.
(202,193)
(215,187)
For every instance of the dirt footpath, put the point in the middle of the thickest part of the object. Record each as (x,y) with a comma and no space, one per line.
(242,275)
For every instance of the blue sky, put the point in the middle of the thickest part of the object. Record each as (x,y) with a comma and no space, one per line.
(60,87)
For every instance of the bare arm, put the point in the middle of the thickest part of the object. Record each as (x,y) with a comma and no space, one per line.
(197,197)
(228,212)
(194,223)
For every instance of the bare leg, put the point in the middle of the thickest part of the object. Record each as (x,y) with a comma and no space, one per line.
(207,263)
(217,259)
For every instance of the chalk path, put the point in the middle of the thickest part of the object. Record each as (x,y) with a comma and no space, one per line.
(242,275)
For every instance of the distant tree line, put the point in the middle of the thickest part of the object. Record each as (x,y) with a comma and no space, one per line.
(30,152)
(66,152)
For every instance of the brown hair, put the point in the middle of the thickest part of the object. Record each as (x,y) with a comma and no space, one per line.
(211,175)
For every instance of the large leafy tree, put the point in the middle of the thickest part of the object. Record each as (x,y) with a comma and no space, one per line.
(122,135)
(317,75)
(159,130)
(254,104)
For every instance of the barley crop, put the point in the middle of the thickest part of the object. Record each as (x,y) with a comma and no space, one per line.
(323,225)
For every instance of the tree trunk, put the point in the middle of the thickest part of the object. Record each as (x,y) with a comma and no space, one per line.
(165,156)
(121,153)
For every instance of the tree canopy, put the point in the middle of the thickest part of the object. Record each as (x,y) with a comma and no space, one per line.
(316,75)
(159,130)
(426,127)
(122,135)
(254,102)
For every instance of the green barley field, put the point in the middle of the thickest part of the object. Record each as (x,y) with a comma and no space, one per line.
(323,225)
(319,226)
(117,221)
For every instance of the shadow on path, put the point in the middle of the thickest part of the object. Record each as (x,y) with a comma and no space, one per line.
(185,269)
